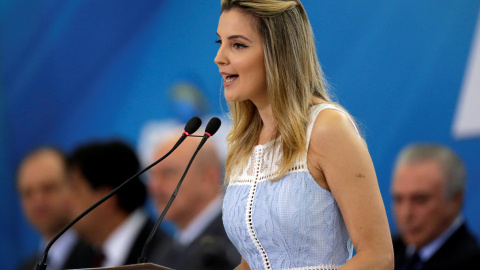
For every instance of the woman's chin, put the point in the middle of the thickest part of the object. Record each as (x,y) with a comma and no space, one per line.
(231,98)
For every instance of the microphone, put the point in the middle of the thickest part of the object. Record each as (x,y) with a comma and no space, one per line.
(211,128)
(192,125)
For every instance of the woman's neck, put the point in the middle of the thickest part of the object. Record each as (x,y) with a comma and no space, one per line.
(269,127)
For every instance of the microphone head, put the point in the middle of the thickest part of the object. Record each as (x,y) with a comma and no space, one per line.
(192,125)
(212,126)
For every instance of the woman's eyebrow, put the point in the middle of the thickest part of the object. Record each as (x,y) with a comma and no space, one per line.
(237,36)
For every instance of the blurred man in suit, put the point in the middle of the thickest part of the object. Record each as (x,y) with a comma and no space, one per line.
(119,227)
(428,188)
(42,186)
(200,241)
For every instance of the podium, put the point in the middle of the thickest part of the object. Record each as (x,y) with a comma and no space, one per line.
(140,266)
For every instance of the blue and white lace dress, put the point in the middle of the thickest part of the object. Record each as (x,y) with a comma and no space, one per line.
(292,223)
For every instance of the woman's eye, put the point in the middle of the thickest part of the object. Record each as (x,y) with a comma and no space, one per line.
(239,46)
(219,42)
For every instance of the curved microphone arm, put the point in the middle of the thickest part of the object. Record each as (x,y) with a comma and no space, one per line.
(192,125)
(212,127)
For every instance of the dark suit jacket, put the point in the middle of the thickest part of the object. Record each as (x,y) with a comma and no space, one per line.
(79,257)
(136,250)
(211,250)
(460,250)
(82,254)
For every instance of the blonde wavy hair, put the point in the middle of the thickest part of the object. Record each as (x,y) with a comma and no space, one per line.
(295,82)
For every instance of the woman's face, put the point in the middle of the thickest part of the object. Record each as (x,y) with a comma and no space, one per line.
(240,58)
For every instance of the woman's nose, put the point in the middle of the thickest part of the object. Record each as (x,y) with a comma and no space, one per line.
(220,58)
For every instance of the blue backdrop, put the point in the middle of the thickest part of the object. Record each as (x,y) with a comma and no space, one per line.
(81,69)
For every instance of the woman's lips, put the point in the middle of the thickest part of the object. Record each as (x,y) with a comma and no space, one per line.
(229,79)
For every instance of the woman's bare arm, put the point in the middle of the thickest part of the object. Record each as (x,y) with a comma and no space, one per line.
(340,162)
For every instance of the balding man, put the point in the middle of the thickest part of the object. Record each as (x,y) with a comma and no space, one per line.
(428,189)
(200,240)
(42,186)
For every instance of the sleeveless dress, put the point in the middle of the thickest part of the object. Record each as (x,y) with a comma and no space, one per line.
(292,223)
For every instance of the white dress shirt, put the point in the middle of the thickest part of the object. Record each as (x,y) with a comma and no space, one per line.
(427,251)
(60,250)
(201,221)
(117,246)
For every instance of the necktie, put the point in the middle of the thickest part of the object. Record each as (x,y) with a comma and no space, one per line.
(98,258)
(413,262)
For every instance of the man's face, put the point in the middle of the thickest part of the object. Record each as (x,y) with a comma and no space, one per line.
(42,187)
(421,208)
(165,176)
(83,195)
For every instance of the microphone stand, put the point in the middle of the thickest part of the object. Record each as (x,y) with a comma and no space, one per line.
(142,258)
(212,127)
(193,124)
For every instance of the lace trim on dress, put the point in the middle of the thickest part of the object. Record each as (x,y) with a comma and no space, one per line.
(263,166)
(273,157)
(321,267)
(247,179)
(251,231)
(270,161)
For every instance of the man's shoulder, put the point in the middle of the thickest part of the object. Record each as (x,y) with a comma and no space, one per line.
(29,262)
(461,248)
(398,243)
(462,240)
(399,248)
(158,235)
(216,226)
(212,249)
(158,238)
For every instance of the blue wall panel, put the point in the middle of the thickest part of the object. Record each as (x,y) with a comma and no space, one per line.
(76,70)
